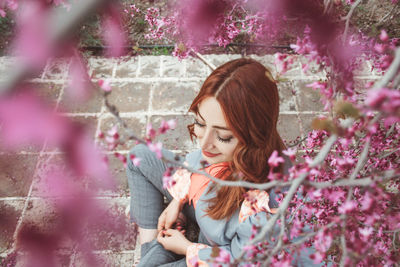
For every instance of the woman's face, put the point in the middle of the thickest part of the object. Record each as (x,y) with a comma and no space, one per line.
(216,139)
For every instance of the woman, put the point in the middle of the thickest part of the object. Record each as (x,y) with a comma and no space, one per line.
(236,113)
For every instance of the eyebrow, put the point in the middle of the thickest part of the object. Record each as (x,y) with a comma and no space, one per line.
(214,126)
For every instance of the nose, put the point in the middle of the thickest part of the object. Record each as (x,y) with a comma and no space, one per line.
(207,140)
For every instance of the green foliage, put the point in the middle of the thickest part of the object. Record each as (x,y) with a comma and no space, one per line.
(159,51)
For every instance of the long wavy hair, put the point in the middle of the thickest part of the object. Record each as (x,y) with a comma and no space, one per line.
(249,98)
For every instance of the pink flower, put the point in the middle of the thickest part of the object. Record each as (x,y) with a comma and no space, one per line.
(384,36)
(347,206)
(105,85)
(156,148)
(135,160)
(366,232)
(274,160)
(223,256)
(291,153)
(121,157)
(166,125)
(150,132)
(168,180)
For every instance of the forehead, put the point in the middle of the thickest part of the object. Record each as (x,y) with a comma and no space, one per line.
(211,111)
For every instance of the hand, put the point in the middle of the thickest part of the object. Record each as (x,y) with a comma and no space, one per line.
(174,241)
(169,216)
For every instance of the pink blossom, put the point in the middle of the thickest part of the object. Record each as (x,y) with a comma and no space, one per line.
(121,157)
(156,148)
(366,232)
(384,36)
(105,85)
(42,125)
(166,125)
(135,160)
(291,153)
(223,256)
(347,206)
(168,181)
(274,160)
(150,132)
(79,85)
(113,34)
(366,201)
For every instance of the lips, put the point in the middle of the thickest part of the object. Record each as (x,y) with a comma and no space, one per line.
(208,154)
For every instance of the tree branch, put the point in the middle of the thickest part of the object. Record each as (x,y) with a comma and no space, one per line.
(347,18)
(390,73)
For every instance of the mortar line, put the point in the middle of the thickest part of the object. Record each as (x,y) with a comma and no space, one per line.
(139,67)
(150,108)
(161,69)
(114,69)
(296,104)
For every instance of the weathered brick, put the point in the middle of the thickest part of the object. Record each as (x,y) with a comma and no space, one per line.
(288,127)
(178,138)
(149,66)
(130,96)
(308,99)
(286,96)
(16,171)
(127,67)
(174,96)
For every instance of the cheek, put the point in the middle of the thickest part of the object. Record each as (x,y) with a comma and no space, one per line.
(227,149)
(198,131)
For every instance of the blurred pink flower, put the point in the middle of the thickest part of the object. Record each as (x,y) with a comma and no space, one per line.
(274,160)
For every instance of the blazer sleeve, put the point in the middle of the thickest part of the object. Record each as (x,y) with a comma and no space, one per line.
(253,214)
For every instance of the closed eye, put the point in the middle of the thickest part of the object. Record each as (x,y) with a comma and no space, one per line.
(198,123)
(224,140)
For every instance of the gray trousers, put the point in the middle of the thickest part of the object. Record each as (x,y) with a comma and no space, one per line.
(147,203)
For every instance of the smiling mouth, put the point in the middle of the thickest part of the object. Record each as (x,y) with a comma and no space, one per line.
(208,154)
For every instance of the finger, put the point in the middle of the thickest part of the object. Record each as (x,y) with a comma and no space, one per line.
(160,238)
(168,223)
(161,222)
(170,232)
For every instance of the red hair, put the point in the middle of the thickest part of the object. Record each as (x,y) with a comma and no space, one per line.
(250,102)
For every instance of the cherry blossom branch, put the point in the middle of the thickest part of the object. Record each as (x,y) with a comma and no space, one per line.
(366,181)
(347,18)
(278,246)
(390,72)
(63,24)
(292,190)
(205,61)
(344,250)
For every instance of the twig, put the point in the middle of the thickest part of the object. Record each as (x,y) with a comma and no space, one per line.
(61,26)
(386,16)
(390,73)
(347,18)
(361,161)
(292,190)
(366,181)
(205,61)
(278,246)
(391,129)
(344,250)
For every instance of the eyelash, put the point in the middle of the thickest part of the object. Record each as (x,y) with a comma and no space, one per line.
(219,138)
